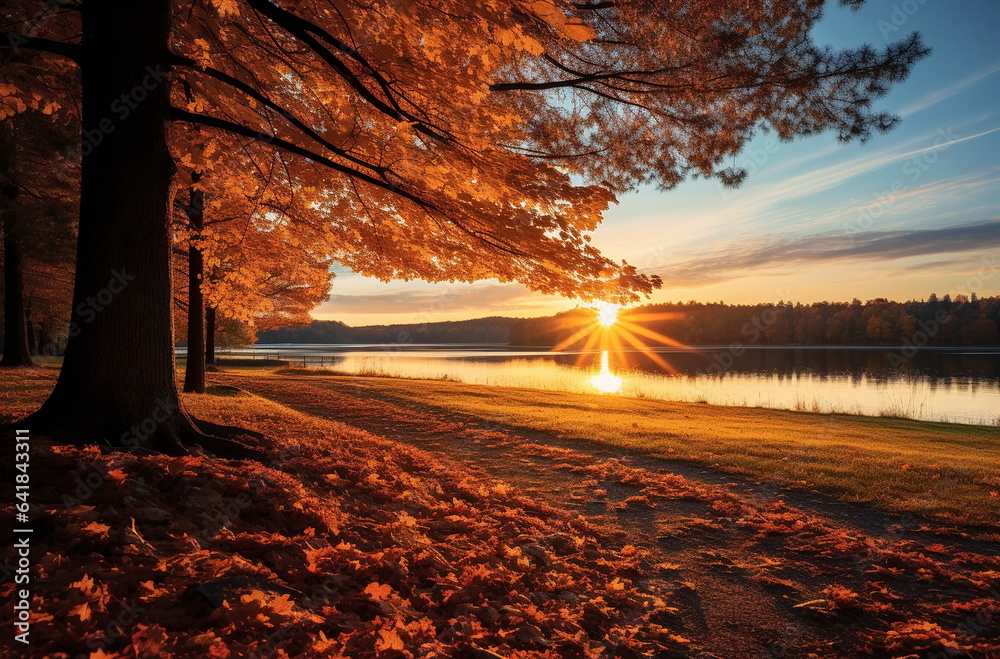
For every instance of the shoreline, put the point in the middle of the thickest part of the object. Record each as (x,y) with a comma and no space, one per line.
(800,409)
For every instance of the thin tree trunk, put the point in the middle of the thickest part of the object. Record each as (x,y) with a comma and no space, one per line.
(117,383)
(44,339)
(194,372)
(210,336)
(15,346)
(16,351)
(32,339)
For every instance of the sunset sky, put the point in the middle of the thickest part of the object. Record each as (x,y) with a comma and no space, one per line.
(910,213)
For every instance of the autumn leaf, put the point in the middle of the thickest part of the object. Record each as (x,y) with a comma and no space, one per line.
(85,584)
(378,592)
(577,30)
(81,611)
(226,7)
(97,529)
(389,640)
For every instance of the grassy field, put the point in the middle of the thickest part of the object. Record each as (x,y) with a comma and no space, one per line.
(945,472)
(948,472)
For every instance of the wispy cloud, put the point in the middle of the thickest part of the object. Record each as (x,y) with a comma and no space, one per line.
(768,253)
(927,204)
(945,93)
(780,204)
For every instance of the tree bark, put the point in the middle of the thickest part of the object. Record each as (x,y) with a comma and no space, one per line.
(117,383)
(194,372)
(210,336)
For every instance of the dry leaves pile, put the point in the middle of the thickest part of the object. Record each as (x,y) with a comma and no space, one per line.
(345,545)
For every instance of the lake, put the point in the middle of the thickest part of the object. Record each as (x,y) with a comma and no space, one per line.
(958,385)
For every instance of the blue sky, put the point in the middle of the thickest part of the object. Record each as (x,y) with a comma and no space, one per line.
(912,212)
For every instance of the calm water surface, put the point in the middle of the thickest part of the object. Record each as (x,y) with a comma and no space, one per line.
(959,385)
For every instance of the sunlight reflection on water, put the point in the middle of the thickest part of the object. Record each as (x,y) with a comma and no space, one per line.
(605,381)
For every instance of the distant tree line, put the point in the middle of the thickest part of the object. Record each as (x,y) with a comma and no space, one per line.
(945,321)
(481,330)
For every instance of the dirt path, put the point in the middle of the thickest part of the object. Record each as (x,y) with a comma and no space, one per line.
(738,591)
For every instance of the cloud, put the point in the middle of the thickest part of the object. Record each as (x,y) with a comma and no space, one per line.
(767,253)
(750,210)
(828,177)
(945,93)
(918,202)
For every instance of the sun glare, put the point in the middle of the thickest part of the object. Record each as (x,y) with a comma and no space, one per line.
(606,382)
(607,313)
(608,332)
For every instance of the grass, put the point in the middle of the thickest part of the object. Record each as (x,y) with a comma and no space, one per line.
(940,471)
(948,472)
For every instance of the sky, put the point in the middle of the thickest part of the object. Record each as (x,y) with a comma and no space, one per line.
(908,214)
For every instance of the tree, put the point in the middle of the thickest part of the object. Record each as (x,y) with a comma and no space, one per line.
(257,250)
(194,372)
(15,346)
(122,265)
(39,175)
(447,133)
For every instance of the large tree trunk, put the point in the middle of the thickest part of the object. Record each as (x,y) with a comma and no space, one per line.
(16,351)
(210,336)
(118,379)
(194,372)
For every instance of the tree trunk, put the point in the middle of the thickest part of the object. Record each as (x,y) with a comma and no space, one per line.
(45,347)
(194,372)
(15,347)
(16,351)
(210,336)
(32,339)
(117,383)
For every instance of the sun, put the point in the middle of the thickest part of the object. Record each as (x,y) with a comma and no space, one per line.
(615,329)
(607,313)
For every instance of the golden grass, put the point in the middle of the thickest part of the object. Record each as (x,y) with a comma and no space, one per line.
(947,472)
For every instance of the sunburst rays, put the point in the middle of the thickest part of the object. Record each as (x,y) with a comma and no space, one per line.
(615,330)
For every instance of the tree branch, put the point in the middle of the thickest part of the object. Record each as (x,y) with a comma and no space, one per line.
(16,41)
(238,129)
(304,31)
(264,100)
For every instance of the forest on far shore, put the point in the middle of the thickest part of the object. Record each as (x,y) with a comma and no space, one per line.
(937,321)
